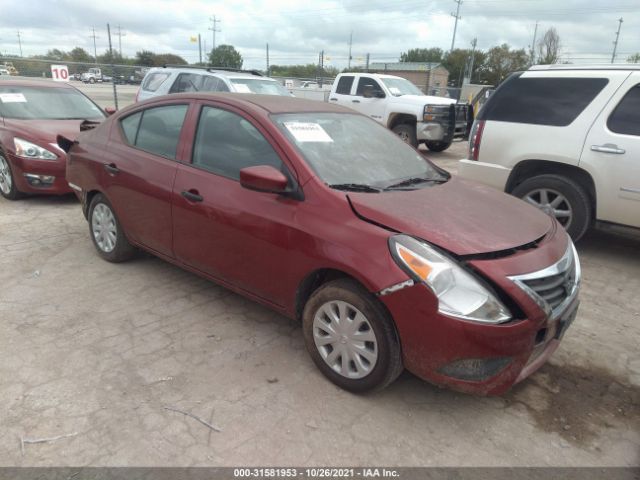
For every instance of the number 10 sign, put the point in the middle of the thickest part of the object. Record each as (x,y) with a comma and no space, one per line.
(60,73)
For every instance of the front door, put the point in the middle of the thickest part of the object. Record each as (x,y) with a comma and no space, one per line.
(240,236)
(612,154)
(366,103)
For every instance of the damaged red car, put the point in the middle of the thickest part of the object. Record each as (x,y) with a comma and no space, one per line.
(325,216)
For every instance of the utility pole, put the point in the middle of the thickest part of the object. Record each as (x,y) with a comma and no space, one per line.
(268,73)
(533,44)
(615,44)
(350,44)
(120,35)
(113,69)
(20,42)
(469,76)
(455,26)
(214,28)
(95,49)
(200,47)
(367,67)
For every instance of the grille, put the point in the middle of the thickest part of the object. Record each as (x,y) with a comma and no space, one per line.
(553,289)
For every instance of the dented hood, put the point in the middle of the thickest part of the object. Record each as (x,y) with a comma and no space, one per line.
(462,217)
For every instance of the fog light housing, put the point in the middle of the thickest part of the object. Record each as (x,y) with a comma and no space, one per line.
(475,369)
(39,180)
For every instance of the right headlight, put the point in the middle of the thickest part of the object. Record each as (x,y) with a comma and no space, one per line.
(459,293)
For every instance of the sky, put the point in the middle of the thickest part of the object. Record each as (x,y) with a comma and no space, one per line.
(297,31)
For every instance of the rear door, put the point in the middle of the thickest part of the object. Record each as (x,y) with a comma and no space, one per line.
(342,92)
(139,168)
(612,155)
(240,236)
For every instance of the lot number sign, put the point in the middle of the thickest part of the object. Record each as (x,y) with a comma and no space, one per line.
(60,73)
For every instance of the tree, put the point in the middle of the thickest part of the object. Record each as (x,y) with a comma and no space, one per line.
(56,54)
(501,61)
(458,61)
(635,58)
(145,58)
(80,55)
(309,70)
(549,47)
(168,59)
(109,57)
(433,55)
(225,56)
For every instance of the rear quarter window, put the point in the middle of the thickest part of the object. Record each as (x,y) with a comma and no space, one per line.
(548,101)
(625,119)
(154,80)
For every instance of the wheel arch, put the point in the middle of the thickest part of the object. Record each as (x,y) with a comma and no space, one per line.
(530,168)
(396,119)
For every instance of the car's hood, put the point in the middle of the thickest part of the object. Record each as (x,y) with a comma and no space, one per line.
(462,217)
(44,131)
(423,100)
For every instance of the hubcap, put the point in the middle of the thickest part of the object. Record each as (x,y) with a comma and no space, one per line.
(5,176)
(103,225)
(345,339)
(404,136)
(552,203)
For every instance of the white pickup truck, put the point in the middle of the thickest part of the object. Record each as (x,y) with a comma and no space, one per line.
(94,75)
(400,106)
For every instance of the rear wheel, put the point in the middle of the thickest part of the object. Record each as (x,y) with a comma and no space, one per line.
(92,80)
(407,133)
(437,146)
(8,187)
(351,337)
(106,232)
(560,197)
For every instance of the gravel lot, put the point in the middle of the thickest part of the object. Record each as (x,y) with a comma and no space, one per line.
(97,351)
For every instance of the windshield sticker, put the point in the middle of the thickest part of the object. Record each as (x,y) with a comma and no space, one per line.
(308,132)
(242,88)
(12,98)
(394,90)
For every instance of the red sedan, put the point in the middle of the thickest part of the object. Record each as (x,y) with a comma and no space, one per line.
(325,216)
(32,113)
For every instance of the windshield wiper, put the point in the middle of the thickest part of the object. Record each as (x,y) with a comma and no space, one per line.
(414,181)
(355,187)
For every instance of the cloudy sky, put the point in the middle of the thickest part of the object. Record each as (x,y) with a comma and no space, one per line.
(297,30)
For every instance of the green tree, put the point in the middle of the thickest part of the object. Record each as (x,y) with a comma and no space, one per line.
(500,61)
(635,58)
(145,57)
(309,70)
(434,55)
(549,47)
(168,59)
(56,54)
(80,55)
(109,57)
(225,56)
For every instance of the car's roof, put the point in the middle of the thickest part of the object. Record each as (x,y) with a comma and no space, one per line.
(211,72)
(592,66)
(268,103)
(33,82)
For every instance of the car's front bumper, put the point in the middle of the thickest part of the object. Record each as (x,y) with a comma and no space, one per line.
(29,175)
(490,174)
(480,358)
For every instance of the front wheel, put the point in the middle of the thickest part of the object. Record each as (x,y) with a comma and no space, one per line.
(350,337)
(437,146)
(407,133)
(8,187)
(561,198)
(106,232)
(92,80)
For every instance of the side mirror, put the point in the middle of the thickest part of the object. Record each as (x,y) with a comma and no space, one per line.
(378,94)
(263,178)
(110,110)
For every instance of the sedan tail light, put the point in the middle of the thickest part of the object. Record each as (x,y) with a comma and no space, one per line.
(475,138)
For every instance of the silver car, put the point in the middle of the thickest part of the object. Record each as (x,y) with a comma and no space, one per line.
(166,80)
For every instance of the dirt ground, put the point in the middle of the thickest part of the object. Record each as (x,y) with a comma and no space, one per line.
(97,356)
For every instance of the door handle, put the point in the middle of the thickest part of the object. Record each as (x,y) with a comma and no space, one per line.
(111,168)
(333,99)
(608,148)
(355,101)
(192,195)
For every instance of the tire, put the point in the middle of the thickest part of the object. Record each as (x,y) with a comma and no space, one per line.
(574,200)
(92,80)
(382,347)
(407,133)
(8,187)
(106,232)
(437,146)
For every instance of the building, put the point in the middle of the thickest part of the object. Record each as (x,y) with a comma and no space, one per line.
(431,78)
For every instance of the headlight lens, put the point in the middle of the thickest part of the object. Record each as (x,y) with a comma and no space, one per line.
(26,149)
(459,293)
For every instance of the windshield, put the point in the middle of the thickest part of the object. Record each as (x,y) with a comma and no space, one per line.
(400,86)
(262,86)
(352,150)
(37,103)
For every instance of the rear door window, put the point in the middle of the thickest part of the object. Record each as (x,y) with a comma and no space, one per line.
(344,85)
(551,101)
(154,80)
(156,130)
(625,119)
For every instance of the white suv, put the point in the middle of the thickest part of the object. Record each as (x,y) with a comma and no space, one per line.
(565,138)
(165,80)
